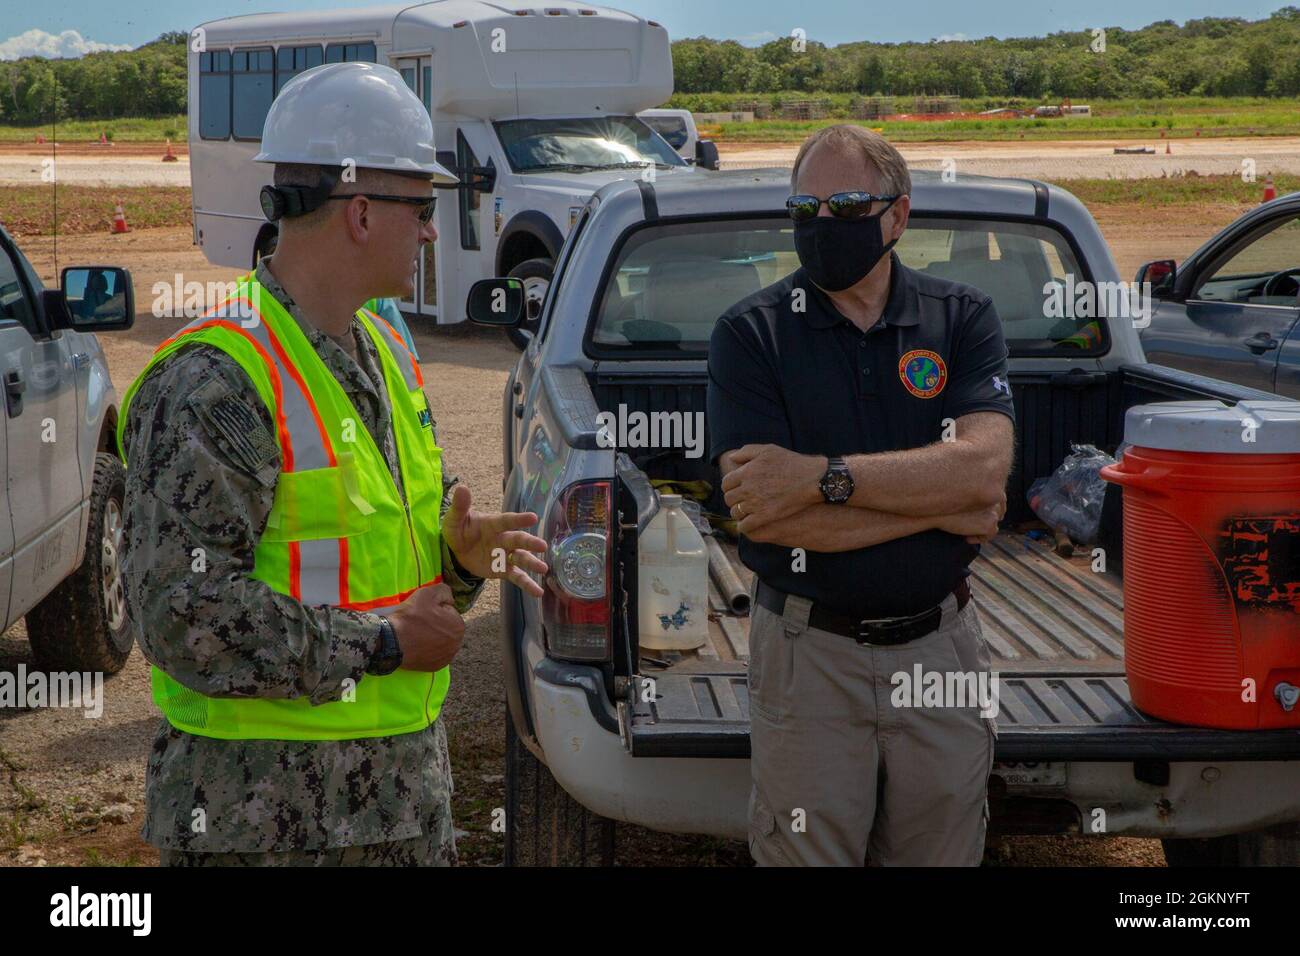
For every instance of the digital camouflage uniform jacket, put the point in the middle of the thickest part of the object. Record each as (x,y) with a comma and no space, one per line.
(202,466)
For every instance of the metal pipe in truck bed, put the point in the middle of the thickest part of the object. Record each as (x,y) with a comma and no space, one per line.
(724,576)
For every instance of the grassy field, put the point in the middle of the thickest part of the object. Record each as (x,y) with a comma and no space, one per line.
(121,130)
(1110,119)
(29,210)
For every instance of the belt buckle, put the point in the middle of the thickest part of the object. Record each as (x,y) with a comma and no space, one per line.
(880,626)
(886,627)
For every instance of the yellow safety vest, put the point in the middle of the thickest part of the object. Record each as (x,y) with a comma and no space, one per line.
(339,533)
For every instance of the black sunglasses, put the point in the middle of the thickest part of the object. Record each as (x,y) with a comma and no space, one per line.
(850,205)
(427,202)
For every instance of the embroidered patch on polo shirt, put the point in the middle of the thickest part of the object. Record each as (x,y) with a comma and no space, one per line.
(923,373)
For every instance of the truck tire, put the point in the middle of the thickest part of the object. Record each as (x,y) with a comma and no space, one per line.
(82,624)
(544,825)
(1275,846)
(536,274)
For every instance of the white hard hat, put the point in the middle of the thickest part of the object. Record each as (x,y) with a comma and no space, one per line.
(358,113)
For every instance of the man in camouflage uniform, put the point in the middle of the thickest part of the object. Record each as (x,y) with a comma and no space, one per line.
(203,464)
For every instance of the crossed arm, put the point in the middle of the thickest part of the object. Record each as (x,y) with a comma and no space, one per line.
(956,486)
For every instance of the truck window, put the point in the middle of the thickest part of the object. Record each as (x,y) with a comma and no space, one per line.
(470,199)
(607,142)
(292,60)
(254,88)
(671,128)
(15,306)
(214,94)
(671,282)
(350,52)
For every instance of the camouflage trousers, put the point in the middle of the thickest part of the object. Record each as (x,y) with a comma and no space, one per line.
(435,849)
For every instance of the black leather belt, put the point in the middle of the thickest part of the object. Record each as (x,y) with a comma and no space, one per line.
(885,633)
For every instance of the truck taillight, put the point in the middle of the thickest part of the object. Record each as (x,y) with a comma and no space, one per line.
(576,606)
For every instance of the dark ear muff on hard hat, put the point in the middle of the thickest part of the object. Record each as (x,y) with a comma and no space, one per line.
(288,202)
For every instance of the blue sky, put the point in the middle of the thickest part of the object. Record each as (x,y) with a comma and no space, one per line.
(131,22)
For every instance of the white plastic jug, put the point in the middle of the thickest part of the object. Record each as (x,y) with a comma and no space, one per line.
(673,576)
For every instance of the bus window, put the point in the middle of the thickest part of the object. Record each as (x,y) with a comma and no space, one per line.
(292,60)
(214,94)
(350,52)
(469,198)
(253,91)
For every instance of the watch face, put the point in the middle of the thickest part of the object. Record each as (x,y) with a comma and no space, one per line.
(837,486)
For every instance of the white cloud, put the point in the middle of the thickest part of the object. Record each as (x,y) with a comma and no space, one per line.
(69,43)
(951,38)
(756,39)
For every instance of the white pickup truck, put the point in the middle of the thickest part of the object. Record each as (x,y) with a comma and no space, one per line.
(61,528)
(600,730)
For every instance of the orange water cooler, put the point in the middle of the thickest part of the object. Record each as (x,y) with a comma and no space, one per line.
(1212,562)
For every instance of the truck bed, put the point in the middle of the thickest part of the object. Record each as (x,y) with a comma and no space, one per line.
(1055,632)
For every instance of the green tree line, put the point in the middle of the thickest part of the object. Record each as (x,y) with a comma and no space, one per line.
(147,81)
(1213,56)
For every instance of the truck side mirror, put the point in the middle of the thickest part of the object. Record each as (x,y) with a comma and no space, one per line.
(498,303)
(1161,274)
(93,299)
(706,154)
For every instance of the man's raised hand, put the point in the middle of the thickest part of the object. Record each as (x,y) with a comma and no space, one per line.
(494,545)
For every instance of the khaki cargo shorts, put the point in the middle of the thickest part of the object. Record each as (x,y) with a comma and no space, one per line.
(855,760)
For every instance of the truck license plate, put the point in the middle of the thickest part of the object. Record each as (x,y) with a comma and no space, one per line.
(1032,774)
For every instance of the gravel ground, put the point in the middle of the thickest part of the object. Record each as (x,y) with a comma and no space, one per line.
(71,789)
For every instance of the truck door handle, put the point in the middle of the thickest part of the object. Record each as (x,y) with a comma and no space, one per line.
(1261,342)
(14,388)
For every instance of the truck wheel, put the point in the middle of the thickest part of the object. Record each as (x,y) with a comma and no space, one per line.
(82,624)
(1275,846)
(544,825)
(536,274)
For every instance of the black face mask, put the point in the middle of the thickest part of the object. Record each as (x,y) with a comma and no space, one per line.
(836,253)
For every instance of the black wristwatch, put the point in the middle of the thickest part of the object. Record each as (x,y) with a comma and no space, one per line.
(837,483)
(389,656)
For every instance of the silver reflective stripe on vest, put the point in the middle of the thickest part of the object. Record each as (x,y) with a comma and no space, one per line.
(320,561)
(401,354)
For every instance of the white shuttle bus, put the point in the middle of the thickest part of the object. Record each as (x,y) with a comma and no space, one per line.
(533,107)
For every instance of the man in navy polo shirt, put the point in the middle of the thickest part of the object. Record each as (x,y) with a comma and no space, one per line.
(859,413)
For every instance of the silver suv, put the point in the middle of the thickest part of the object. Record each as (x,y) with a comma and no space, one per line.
(61,529)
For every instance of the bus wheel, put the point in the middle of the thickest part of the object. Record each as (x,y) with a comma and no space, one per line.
(536,274)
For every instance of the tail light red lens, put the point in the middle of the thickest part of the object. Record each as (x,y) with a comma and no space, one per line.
(576,606)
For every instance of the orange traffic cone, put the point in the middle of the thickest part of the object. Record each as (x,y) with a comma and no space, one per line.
(1270,191)
(40,138)
(170,156)
(119,219)
(1168,151)
(103,140)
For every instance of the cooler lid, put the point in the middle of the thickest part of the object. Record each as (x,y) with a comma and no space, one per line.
(1247,428)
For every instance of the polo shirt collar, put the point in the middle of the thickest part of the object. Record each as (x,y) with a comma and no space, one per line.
(901,308)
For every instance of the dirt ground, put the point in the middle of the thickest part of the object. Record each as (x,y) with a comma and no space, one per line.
(140,164)
(1066,159)
(60,773)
